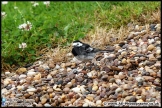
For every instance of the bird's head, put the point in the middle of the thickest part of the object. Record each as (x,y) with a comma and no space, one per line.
(77,43)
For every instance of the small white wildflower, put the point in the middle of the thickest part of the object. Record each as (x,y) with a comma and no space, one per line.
(15,7)
(46,3)
(4,2)
(3,14)
(22,45)
(35,4)
(26,26)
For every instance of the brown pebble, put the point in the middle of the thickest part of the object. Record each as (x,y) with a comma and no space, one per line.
(37,99)
(89,98)
(104,77)
(71,94)
(68,64)
(43,100)
(150,47)
(121,77)
(41,69)
(130,78)
(139,91)
(51,65)
(124,94)
(113,88)
(132,99)
(148,78)
(66,89)
(26,95)
(143,97)
(21,70)
(80,79)
(50,90)
(112,80)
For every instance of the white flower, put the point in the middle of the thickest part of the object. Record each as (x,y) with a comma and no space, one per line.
(3,14)
(26,26)
(15,7)
(22,45)
(35,4)
(46,3)
(4,2)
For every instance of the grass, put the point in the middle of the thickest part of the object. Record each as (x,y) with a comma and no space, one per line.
(56,25)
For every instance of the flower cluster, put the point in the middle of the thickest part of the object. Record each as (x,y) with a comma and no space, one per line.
(22,45)
(26,26)
(4,2)
(46,3)
(35,3)
(3,14)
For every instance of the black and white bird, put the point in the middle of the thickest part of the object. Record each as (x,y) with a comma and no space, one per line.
(84,52)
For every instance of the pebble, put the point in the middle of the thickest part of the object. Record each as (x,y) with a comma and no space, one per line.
(6,81)
(50,90)
(95,88)
(43,100)
(47,105)
(150,47)
(30,73)
(21,70)
(118,90)
(66,89)
(22,76)
(31,90)
(7,73)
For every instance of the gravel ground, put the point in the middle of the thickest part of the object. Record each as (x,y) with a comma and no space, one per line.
(131,73)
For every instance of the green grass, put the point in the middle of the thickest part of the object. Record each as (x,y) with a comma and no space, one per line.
(60,23)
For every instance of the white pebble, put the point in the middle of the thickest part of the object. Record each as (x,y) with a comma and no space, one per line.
(112,55)
(45,66)
(118,81)
(30,73)
(22,81)
(19,87)
(120,73)
(82,89)
(69,69)
(158,51)
(22,76)
(141,43)
(40,62)
(3,91)
(47,105)
(118,90)
(62,69)
(76,89)
(57,66)
(6,81)
(139,79)
(98,102)
(150,41)
(31,70)
(49,76)
(141,69)
(31,90)
(89,74)
(7,73)
(69,54)
(85,105)
(89,102)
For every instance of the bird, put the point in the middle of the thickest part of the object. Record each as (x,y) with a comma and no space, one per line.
(84,52)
